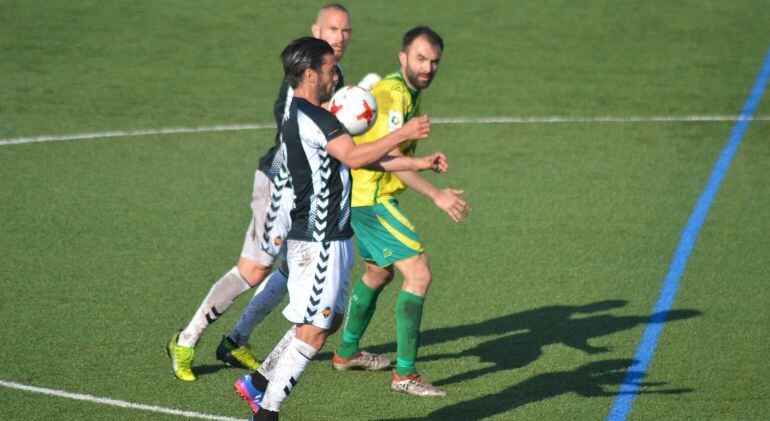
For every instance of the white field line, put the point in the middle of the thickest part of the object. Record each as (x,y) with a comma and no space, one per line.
(113,402)
(483,120)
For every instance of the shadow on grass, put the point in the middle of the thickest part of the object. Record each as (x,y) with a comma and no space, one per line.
(519,349)
(589,380)
(213,368)
(530,331)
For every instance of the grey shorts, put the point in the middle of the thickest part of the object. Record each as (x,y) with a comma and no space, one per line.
(270,222)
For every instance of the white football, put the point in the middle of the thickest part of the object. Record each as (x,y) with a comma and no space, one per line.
(355,108)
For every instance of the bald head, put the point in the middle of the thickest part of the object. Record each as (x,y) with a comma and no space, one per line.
(332,25)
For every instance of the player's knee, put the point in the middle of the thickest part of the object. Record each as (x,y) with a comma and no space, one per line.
(312,335)
(422,278)
(418,278)
(252,271)
(377,277)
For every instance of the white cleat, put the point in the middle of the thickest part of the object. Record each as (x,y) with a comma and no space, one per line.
(414,385)
(363,361)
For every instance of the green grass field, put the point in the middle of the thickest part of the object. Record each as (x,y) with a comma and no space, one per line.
(107,246)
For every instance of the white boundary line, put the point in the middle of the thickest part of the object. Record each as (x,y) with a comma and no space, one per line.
(483,120)
(114,402)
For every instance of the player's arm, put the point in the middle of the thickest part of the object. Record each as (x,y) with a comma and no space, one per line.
(345,150)
(436,162)
(447,199)
(358,156)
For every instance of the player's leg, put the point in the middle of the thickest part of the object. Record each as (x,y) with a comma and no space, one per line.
(271,291)
(361,307)
(220,297)
(318,274)
(409,308)
(385,236)
(265,371)
(406,254)
(251,269)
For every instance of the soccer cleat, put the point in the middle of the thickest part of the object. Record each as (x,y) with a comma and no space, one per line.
(181,360)
(249,393)
(230,353)
(414,385)
(363,360)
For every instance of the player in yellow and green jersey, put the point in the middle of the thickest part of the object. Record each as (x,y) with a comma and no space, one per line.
(385,236)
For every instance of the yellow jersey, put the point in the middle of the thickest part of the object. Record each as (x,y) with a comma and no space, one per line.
(396,104)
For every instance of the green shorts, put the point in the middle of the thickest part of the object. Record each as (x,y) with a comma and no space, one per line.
(384,234)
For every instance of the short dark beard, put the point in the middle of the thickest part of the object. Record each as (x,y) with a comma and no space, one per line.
(415,81)
(323,95)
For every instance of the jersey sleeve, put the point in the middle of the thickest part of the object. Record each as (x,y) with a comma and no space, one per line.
(328,128)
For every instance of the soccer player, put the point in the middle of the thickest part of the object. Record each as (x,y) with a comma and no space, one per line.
(319,153)
(384,234)
(333,26)
(271,203)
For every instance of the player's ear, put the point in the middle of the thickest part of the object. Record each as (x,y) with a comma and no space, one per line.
(315,29)
(310,76)
(402,59)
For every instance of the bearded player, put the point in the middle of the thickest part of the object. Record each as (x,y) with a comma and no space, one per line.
(385,236)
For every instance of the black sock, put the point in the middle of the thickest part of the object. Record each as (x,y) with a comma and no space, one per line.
(259,381)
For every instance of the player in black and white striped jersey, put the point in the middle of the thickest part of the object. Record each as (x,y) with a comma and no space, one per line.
(319,154)
(271,204)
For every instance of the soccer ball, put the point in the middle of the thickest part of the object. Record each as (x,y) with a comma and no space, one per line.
(355,108)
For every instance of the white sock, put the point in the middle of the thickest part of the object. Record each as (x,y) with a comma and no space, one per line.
(289,368)
(218,300)
(268,366)
(270,292)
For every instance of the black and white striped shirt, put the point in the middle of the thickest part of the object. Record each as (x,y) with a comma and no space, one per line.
(272,161)
(321,182)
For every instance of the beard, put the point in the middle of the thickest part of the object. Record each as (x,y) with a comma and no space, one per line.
(324,95)
(414,78)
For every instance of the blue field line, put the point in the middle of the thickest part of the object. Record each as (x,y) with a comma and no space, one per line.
(644,353)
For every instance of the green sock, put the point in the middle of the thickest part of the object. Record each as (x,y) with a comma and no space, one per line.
(363,301)
(408,317)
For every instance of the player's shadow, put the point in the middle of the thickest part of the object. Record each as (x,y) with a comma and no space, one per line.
(599,378)
(527,332)
(519,349)
(203,370)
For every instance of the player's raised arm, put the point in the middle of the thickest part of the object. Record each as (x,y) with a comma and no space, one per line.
(358,156)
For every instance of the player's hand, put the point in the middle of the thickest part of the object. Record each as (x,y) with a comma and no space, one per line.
(436,162)
(417,128)
(449,201)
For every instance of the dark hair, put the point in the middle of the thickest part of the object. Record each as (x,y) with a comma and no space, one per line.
(337,6)
(422,31)
(302,54)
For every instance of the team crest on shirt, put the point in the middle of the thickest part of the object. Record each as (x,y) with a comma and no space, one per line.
(395,120)
(327,311)
(387,253)
(277,241)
